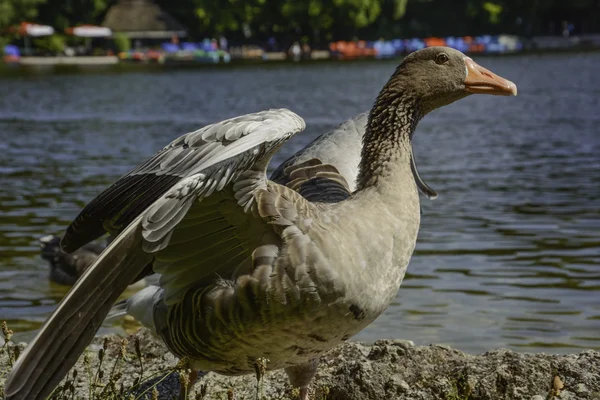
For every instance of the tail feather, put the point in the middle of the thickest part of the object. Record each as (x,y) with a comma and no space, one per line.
(74,323)
(142,306)
(118,310)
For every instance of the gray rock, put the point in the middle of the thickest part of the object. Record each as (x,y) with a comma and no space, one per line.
(581,388)
(388,369)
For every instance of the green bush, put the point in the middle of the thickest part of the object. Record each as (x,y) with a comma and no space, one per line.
(3,42)
(54,44)
(122,42)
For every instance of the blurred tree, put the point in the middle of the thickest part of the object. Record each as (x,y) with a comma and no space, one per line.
(340,17)
(318,21)
(228,15)
(494,10)
(13,12)
(289,18)
(62,14)
(54,44)
(122,42)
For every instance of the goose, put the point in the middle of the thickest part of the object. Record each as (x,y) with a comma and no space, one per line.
(339,147)
(251,269)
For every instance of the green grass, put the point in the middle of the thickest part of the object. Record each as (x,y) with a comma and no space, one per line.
(461,390)
(104,373)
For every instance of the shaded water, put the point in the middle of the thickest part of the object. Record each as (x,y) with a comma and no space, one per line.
(508,256)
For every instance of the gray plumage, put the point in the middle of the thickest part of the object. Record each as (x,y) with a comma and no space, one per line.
(251,268)
(341,148)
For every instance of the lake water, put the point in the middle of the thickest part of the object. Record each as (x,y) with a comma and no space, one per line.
(508,255)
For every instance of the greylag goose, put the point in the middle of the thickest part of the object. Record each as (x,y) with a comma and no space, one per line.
(339,147)
(249,268)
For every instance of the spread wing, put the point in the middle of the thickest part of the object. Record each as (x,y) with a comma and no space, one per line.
(338,150)
(117,206)
(204,184)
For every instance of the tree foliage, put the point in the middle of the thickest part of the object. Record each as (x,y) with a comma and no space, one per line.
(13,12)
(62,14)
(345,19)
(53,44)
(321,20)
(122,42)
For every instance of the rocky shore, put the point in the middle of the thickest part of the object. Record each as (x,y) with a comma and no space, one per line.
(388,369)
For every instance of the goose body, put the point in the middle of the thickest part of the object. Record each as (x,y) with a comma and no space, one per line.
(251,268)
(340,148)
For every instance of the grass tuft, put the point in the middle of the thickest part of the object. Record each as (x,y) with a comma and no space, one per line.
(102,373)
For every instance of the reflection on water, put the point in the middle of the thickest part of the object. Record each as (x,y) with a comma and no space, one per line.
(508,256)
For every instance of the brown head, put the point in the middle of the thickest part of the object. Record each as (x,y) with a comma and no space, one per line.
(437,76)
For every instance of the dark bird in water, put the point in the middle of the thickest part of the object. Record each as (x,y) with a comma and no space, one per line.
(66,268)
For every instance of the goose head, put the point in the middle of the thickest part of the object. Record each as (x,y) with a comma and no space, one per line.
(424,81)
(437,76)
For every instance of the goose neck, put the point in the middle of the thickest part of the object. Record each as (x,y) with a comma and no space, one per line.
(386,152)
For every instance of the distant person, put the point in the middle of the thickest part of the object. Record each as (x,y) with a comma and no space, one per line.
(223,44)
(206,44)
(295,51)
(565,29)
(272,43)
(306,50)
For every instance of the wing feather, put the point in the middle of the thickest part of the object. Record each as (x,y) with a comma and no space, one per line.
(74,323)
(318,182)
(339,147)
(157,201)
(187,155)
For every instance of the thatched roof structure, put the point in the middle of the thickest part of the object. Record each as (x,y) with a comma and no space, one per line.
(140,19)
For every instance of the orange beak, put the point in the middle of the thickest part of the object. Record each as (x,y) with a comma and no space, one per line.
(480,80)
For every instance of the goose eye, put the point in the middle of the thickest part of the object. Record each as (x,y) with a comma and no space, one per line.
(441,58)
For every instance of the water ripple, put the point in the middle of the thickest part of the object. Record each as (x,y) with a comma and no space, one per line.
(508,256)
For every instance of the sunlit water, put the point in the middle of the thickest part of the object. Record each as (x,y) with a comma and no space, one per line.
(508,255)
